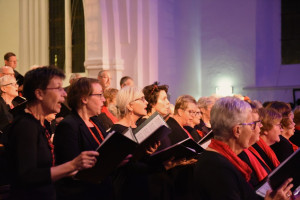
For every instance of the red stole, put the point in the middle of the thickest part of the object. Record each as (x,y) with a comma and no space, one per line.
(200,133)
(295,147)
(261,173)
(109,115)
(225,150)
(270,153)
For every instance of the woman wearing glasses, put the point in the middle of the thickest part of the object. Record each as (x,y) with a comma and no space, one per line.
(284,148)
(131,181)
(269,134)
(219,172)
(259,168)
(8,91)
(81,131)
(30,150)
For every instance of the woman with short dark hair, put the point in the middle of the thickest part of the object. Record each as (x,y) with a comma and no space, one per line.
(31,153)
(81,131)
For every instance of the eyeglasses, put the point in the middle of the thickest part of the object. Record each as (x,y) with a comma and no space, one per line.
(197,113)
(252,124)
(13,84)
(191,112)
(106,77)
(279,125)
(99,95)
(141,98)
(60,89)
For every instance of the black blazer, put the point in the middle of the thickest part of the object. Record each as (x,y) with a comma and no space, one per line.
(5,116)
(72,136)
(177,134)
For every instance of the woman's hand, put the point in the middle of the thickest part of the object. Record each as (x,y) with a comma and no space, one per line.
(151,149)
(84,160)
(284,192)
(125,161)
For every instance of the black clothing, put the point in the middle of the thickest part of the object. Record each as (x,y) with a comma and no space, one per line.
(216,178)
(105,121)
(295,139)
(30,159)
(282,149)
(5,116)
(264,156)
(195,135)
(19,78)
(254,179)
(131,181)
(202,127)
(72,136)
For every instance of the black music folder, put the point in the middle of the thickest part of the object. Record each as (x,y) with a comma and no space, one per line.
(289,168)
(152,130)
(187,148)
(112,151)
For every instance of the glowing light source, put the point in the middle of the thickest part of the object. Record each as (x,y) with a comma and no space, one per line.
(224,90)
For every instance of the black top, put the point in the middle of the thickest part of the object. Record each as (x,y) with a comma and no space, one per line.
(19,78)
(295,139)
(132,181)
(195,135)
(216,178)
(105,121)
(5,116)
(282,149)
(72,136)
(264,156)
(202,127)
(254,179)
(30,159)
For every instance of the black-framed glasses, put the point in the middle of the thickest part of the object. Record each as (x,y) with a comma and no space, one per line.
(99,95)
(141,99)
(251,124)
(60,89)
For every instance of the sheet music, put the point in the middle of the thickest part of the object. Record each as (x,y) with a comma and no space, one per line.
(149,128)
(262,191)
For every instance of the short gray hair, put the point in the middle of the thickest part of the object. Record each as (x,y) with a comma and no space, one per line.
(225,114)
(5,80)
(203,102)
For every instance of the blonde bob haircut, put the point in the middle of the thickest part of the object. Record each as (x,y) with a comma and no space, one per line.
(269,116)
(124,97)
(226,113)
(182,102)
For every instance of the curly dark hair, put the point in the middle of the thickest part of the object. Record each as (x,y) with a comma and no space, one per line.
(151,93)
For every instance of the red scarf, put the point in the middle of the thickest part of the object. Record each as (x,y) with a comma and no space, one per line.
(297,128)
(259,156)
(188,133)
(260,171)
(225,150)
(200,133)
(109,115)
(270,153)
(295,147)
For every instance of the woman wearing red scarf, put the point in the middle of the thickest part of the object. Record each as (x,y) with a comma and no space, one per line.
(258,165)
(269,134)
(219,172)
(285,147)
